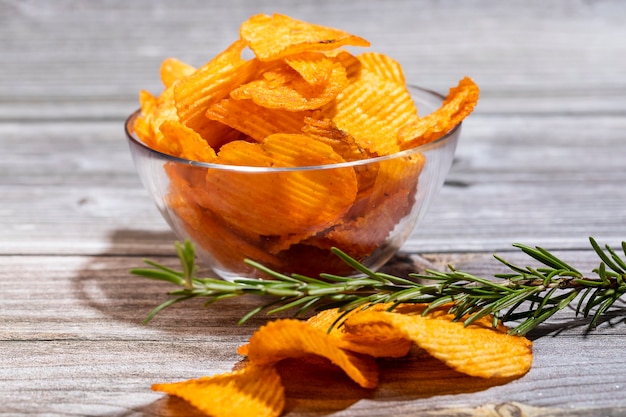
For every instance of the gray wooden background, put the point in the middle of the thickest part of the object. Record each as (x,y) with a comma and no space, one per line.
(541,161)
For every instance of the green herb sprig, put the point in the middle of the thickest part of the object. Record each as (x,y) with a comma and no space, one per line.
(527,295)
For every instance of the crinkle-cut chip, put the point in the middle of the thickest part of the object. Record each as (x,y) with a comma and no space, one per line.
(288,338)
(148,103)
(210,83)
(375,213)
(459,103)
(186,143)
(359,237)
(306,201)
(378,340)
(351,64)
(372,109)
(382,65)
(256,121)
(251,391)
(217,134)
(228,246)
(284,88)
(327,132)
(314,67)
(144,132)
(477,350)
(277,36)
(155,111)
(173,69)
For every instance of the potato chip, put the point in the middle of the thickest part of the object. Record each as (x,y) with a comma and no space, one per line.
(227,245)
(351,64)
(185,142)
(382,65)
(380,207)
(256,121)
(459,103)
(325,130)
(155,111)
(372,109)
(173,69)
(310,200)
(277,36)
(378,340)
(212,82)
(284,88)
(315,68)
(252,391)
(288,338)
(477,350)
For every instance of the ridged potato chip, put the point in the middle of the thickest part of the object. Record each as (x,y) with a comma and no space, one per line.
(314,67)
(388,198)
(256,121)
(227,245)
(252,391)
(276,36)
(285,88)
(325,130)
(477,350)
(185,142)
(372,109)
(210,83)
(459,103)
(310,200)
(378,340)
(173,69)
(288,338)
(383,65)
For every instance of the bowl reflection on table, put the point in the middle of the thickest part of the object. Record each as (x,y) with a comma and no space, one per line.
(289,218)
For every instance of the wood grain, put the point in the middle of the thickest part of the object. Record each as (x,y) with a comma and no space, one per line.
(541,161)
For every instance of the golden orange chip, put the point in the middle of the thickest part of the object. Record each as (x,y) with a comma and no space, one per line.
(185,142)
(459,103)
(382,65)
(316,68)
(252,391)
(154,112)
(289,338)
(388,194)
(327,132)
(277,36)
(143,125)
(227,245)
(378,340)
(372,109)
(284,88)
(173,69)
(210,83)
(256,121)
(309,200)
(362,235)
(476,350)
(351,64)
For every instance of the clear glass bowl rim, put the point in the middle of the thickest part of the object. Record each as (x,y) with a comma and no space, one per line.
(241,168)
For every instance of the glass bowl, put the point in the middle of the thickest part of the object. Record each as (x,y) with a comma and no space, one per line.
(289,218)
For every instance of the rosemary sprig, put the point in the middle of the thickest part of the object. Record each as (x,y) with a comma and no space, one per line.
(526,295)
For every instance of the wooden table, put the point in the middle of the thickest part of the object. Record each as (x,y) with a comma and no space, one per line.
(541,162)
